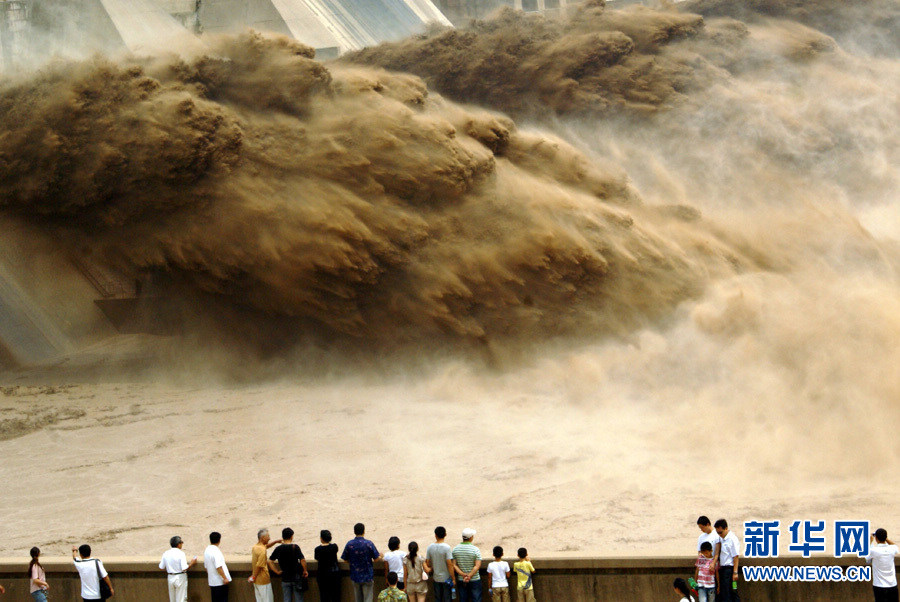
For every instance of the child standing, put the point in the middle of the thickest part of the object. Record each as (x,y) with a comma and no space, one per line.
(705,577)
(498,577)
(393,561)
(682,589)
(392,593)
(525,572)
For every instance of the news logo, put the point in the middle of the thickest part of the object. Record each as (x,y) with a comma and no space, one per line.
(762,539)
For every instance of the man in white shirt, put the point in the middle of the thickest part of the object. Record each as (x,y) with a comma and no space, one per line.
(707,534)
(176,565)
(726,561)
(216,569)
(884,573)
(91,571)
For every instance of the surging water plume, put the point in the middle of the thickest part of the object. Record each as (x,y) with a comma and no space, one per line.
(343,197)
(592,61)
(599,61)
(870,25)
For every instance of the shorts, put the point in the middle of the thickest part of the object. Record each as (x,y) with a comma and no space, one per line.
(525,595)
(501,594)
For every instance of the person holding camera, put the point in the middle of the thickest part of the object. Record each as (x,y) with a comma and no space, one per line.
(95,582)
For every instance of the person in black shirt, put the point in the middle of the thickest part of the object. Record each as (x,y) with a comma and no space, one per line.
(291,567)
(329,574)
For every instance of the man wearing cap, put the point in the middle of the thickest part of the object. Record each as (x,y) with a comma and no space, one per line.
(466,562)
(175,563)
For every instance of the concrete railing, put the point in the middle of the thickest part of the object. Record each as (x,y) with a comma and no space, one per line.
(557,580)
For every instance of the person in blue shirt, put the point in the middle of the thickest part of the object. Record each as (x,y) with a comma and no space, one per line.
(360,553)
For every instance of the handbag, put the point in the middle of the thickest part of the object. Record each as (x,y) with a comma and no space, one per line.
(302,582)
(105,591)
(411,564)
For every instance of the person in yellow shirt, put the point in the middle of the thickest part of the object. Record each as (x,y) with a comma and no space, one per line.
(262,584)
(525,572)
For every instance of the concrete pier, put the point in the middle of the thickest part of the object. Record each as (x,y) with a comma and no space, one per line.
(557,580)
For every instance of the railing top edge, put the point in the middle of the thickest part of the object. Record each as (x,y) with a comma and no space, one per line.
(150,564)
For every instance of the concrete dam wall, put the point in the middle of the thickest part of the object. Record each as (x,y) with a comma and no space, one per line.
(556,580)
(47,307)
(81,27)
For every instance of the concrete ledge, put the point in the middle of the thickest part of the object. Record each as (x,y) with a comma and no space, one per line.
(559,579)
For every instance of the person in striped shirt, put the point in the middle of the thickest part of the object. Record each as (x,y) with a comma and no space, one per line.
(704,575)
(466,562)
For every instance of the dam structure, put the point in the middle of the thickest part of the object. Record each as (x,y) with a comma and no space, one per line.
(569,579)
(67,27)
